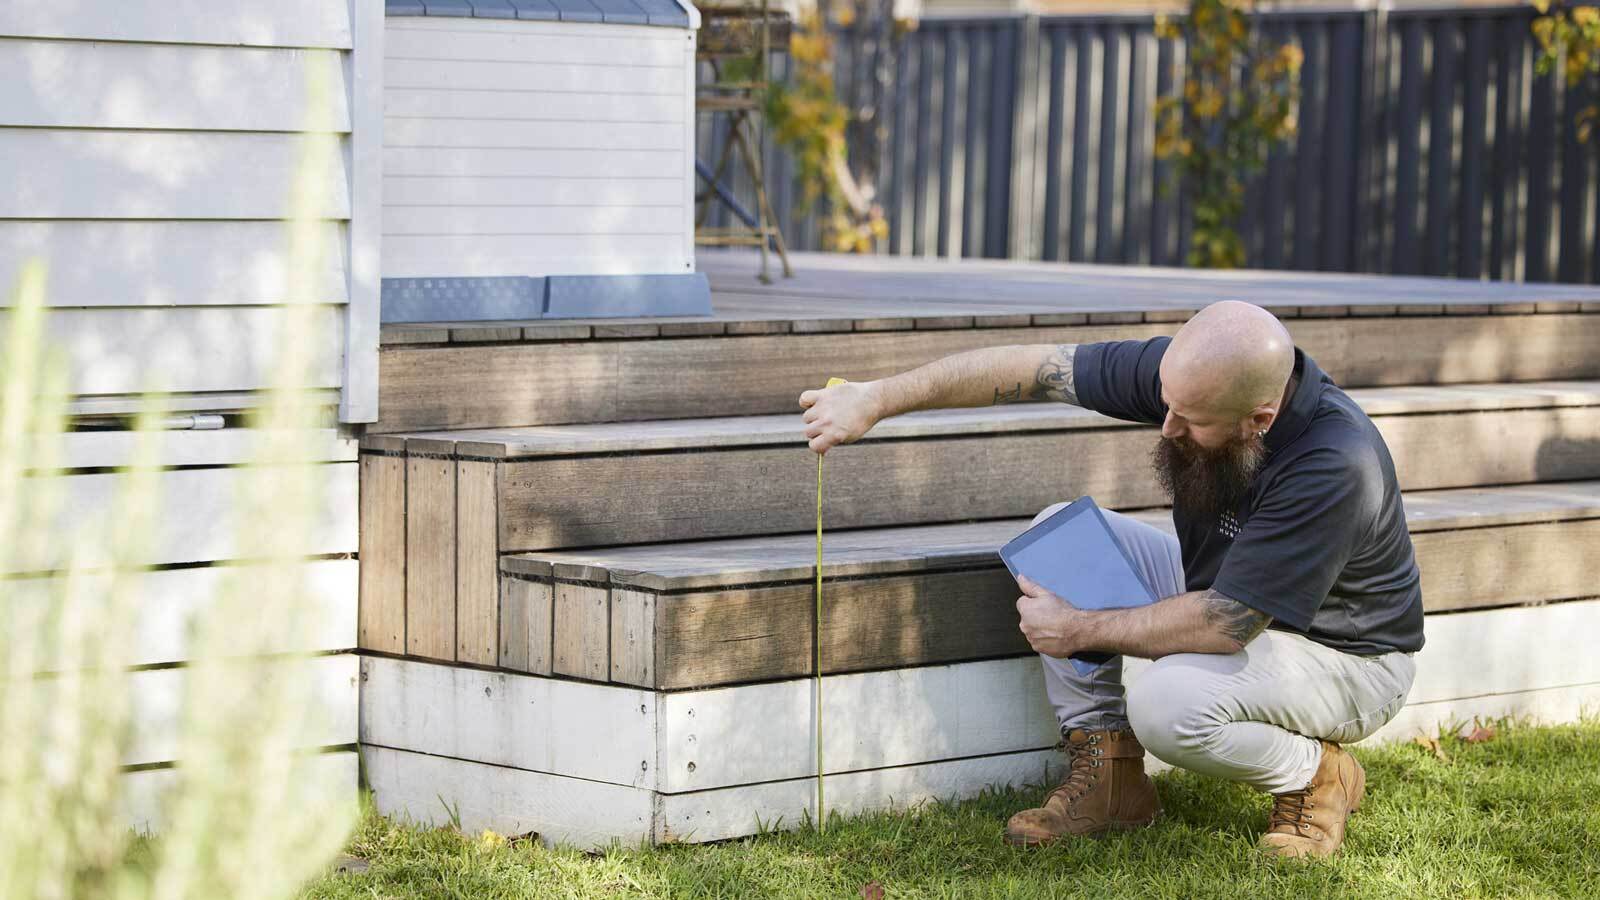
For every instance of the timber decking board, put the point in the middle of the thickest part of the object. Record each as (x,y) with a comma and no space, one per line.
(382,601)
(526,624)
(491,386)
(691,616)
(879,483)
(751,431)
(872,293)
(430,557)
(702,565)
(633,636)
(871,284)
(582,631)
(910,482)
(477,567)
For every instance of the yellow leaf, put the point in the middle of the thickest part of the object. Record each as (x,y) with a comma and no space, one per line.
(1543,29)
(1543,6)
(1432,745)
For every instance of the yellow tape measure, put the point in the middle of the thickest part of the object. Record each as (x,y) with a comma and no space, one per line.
(822,821)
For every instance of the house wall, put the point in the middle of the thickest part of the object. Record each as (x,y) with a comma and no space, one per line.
(150,147)
(534,148)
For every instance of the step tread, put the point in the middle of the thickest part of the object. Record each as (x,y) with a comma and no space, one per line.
(744,431)
(884,551)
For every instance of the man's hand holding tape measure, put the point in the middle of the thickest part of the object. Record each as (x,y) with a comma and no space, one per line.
(839,414)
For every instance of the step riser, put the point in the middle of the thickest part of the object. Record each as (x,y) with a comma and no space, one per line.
(547,503)
(588,764)
(467,386)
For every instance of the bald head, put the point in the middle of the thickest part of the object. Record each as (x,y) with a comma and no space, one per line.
(1229,359)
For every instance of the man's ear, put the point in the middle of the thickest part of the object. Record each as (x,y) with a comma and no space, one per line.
(1262,417)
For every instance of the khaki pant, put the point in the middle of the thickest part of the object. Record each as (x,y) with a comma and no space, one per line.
(1251,716)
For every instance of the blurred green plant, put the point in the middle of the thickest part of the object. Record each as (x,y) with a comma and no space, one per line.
(246,811)
(1569,37)
(809,120)
(819,128)
(1239,99)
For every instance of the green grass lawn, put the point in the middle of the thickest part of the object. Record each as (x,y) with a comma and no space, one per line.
(1518,815)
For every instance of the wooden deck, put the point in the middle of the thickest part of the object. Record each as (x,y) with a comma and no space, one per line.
(833,293)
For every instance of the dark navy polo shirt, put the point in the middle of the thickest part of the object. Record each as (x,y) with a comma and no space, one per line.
(1320,544)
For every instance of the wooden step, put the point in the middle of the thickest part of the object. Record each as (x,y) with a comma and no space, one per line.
(503,374)
(681,616)
(489,492)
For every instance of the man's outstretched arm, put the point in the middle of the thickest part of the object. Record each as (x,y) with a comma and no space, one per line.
(1195,622)
(1031,372)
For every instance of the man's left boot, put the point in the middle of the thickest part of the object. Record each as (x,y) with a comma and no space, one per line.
(1310,822)
(1106,789)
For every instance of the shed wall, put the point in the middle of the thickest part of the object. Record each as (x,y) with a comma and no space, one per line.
(536,148)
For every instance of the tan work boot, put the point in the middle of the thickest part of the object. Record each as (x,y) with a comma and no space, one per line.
(1310,822)
(1105,789)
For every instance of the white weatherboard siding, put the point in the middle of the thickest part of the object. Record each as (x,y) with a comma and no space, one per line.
(156,152)
(536,148)
(152,147)
(144,792)
(503,747)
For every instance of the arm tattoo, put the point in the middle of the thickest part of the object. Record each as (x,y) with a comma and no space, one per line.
(1054,380)
(1231,618)
(1013,395)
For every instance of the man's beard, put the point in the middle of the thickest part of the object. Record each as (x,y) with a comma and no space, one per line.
(1209,482)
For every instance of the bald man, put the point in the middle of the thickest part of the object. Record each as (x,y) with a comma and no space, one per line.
(1291,605)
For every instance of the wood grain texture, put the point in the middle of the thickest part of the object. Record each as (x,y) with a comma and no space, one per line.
(633,637)
(477,563)
(508,385)
(878,483)
(526,624)
(731,636)
(582,635)
(382,623)
(741,610)
(882,482)
(1508,566)
(726,376)
(431,557)
(726,637)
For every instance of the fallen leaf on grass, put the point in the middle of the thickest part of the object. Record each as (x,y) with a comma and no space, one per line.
(872,891)
(1432,745)
(1480,733)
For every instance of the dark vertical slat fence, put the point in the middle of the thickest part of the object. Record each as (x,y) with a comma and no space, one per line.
(1426,145)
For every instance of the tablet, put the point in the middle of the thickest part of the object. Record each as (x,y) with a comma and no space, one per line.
(1074,555)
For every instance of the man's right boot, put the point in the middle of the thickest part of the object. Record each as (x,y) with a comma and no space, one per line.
(1106,789)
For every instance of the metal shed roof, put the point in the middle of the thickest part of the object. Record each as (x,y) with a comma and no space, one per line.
(668,13)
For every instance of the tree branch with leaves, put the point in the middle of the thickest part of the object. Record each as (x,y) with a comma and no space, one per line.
(1239,99)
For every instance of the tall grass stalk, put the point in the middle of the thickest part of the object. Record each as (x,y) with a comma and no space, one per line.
(248,808)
